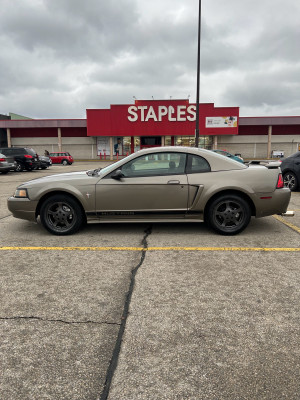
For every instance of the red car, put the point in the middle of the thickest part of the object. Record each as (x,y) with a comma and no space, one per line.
(61,158)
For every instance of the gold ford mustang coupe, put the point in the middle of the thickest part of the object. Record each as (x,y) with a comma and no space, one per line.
(165,184)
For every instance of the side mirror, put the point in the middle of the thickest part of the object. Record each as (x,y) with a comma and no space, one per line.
(118,174)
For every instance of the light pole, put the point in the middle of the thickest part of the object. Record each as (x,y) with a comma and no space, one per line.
(198,79)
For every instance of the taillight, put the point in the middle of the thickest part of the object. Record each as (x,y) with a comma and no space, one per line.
(280,183)
(27,156)
(2,159)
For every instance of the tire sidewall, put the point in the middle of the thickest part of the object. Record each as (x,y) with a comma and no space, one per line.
(213,224)
(69,201)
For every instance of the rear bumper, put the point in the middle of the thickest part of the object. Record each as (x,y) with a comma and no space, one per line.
(5,167)
(272,203)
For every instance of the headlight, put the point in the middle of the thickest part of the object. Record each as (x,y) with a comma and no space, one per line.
(21,193)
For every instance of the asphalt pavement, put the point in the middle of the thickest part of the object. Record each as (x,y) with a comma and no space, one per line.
(148,311)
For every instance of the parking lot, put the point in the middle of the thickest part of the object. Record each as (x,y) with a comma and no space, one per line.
(148,311)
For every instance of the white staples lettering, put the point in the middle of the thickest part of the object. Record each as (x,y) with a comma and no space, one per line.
(181,113)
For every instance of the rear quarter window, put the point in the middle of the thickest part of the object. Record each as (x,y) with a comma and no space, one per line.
(197,164)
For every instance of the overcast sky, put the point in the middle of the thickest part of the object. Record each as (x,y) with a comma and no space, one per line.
(60,57)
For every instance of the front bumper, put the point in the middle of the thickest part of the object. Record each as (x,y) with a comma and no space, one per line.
(22,208)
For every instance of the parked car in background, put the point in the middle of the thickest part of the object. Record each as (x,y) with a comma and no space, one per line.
(226,154)
(44,162)
(290,167)
(61,158)
(6,164)
(162,184)
(26,158)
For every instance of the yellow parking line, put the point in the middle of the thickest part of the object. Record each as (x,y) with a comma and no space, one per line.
(292,226)
(170,248)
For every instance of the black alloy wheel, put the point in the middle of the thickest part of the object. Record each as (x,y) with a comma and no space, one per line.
(19,167)
(229,214)
(290,181)
(61,215)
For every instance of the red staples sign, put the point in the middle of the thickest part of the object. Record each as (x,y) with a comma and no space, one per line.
(162,118)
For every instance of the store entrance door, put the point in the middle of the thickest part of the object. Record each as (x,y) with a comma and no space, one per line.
(150,141)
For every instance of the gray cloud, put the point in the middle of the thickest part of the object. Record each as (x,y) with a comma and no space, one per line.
(59,57)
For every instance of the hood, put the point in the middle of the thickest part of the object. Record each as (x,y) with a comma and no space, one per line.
(70,176)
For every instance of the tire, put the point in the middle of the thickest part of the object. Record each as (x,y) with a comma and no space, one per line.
(64,162)
(228,214)
(19,167)
(61,215)
(290,181)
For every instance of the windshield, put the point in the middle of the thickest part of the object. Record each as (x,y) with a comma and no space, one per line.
(110,167)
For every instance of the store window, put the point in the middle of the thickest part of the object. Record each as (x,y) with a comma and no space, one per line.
(127,145)
(206,142)
(137,143)
(150,141)
(168,141)
(188,141)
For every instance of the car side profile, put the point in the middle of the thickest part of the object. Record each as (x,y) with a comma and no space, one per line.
(64,158)
(165,184)
(290,167)
(26,158)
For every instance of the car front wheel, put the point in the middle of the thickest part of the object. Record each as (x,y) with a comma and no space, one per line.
(290,181)
(228,214)
(64,162)
(61,215)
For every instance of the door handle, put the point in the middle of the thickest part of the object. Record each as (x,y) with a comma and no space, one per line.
(173,182)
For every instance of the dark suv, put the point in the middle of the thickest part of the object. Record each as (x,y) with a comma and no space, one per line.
(26,159)
(290,168)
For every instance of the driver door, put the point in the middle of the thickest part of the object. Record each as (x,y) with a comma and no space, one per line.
(152,186)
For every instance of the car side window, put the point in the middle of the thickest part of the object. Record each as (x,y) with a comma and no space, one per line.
(197,164)
(158,164)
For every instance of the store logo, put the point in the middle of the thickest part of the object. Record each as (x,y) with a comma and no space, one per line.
(145,113)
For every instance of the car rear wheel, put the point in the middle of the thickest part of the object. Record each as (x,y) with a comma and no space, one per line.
(61,215)
(228,214)
(64,162)
(290,181)
(19,167)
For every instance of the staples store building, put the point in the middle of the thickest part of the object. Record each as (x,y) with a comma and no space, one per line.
(159,123)
(149,123)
